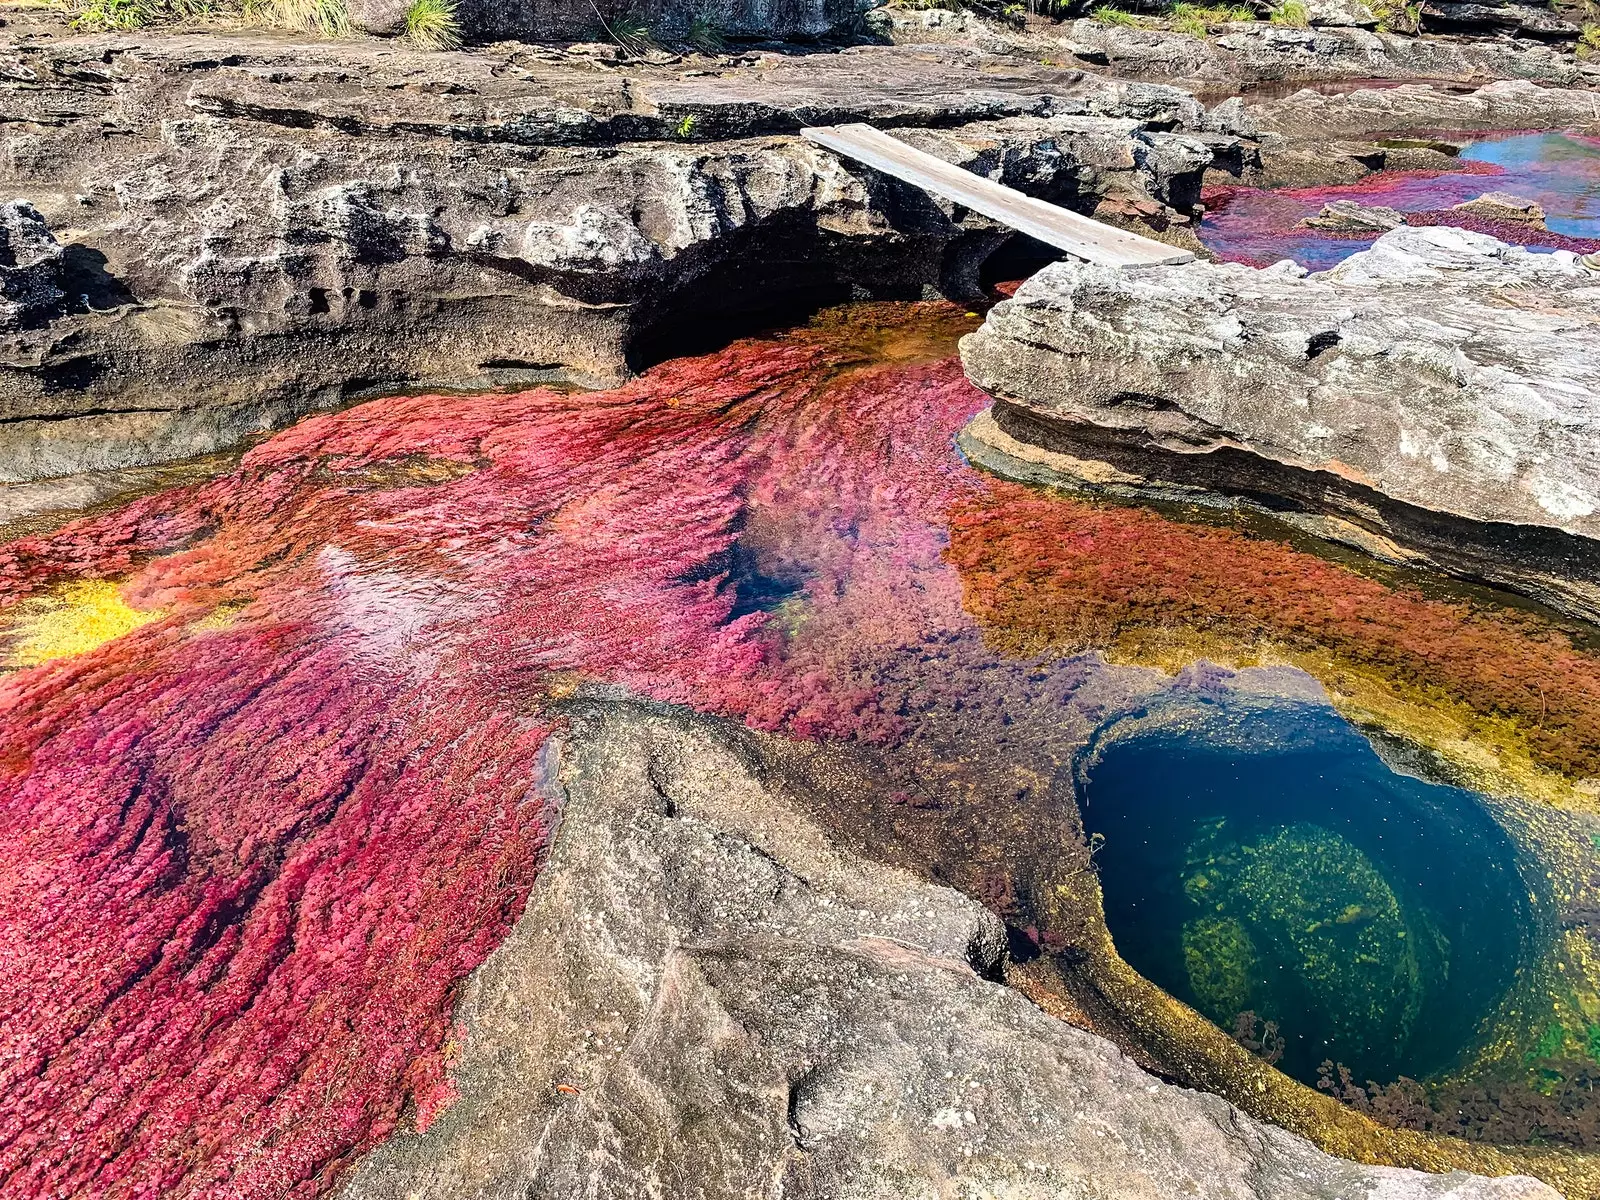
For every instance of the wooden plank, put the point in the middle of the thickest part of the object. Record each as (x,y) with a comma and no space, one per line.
(1080,236)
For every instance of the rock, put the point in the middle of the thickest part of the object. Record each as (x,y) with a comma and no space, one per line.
(30,266)
(1308,115)
(1346,216)
(1439,389)
(1270,54)
(386,18)
(1519,19)
(705,997)
(281,226)
(1503,206)
(1352,14)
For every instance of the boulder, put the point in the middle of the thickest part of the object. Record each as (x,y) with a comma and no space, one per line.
(1503,206)
(706,997)
(1440,389)
(385,18)
(1347,216)
(1351,14)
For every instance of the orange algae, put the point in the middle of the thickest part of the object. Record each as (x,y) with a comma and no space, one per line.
(1048,573)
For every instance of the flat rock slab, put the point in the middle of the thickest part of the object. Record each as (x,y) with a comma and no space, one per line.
(1442,388)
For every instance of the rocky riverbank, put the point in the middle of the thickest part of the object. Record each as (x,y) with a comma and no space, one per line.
(706,996)
(212,236)
(1430,400)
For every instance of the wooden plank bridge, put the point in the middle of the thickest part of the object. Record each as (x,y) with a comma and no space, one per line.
(1077,235)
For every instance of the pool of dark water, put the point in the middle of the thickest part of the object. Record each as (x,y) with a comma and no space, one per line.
(1559,171)
(1265,865)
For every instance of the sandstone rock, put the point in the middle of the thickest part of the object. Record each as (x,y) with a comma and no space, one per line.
(30,266)
(1503,206)
(1521,19)
(704,997)
(283,226)
(386,18)
(1508,104)
(1266,53)
(1351,14)
(1440,389)
(1347,216)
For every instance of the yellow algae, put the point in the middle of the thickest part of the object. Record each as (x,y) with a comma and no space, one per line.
(72,619)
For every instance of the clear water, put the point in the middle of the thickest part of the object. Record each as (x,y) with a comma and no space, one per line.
(1560,171)
(1267,861)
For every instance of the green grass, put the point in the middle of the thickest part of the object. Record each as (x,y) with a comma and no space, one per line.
(1291,12)
(705,35)
(1199,19)
(101,15)
(326,18)
(432,25)
(1396,16)
(1589,42)
(1116,16)
(630,31)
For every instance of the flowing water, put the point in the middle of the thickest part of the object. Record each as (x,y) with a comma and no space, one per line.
(1558,171)
(271,743)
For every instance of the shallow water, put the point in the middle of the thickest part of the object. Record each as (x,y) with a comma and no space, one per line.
(272,742)
(1559,171)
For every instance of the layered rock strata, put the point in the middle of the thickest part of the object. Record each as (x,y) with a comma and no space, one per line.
(239,231)
(704,996)
(1435,395)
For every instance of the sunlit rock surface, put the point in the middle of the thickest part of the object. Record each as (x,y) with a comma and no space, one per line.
(280,226)
(704,997)
(1438,389)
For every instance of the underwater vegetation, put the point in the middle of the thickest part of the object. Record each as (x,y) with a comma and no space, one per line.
(1558,171)
(259,831)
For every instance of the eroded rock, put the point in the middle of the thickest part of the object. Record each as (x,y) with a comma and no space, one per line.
(1348,216)
(1503,206)
(1439,389)
(705,997)
(281,227)
(30,266)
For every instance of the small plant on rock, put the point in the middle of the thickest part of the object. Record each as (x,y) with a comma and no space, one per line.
(329,18)
(1291,13)
(1198,19)
(705,35)
(1117,16)
(1589,42)
(1396,16)
(630,31)
(432,25)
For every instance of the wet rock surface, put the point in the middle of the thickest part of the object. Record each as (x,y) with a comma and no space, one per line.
(1437,390)
(265,227)
(704,995)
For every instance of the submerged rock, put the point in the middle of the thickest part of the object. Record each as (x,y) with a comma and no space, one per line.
(1439,390)
(705,997)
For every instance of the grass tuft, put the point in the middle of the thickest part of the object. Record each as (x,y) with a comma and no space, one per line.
(1116,16)
(432,25)
(705,35)
(1199,19)
(1292,13)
